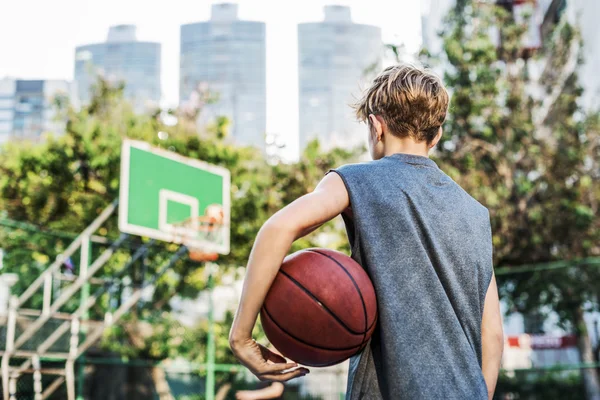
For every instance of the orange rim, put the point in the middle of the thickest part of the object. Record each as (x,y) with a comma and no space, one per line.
(201,256)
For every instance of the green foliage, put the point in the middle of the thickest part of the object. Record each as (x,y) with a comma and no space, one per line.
(525,150)
(538,179)
(547,386)
(159,336)
(63,183)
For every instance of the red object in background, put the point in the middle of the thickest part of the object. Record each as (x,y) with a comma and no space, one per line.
(542,342)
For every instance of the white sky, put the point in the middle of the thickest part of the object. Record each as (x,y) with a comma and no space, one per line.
(38,38)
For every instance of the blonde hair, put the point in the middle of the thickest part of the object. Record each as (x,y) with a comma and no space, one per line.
(412,101)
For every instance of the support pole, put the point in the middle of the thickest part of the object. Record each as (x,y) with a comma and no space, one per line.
(11,323)
(47,299)
(37,377)
(70,379)
(67,253)
(12,386)
(110,319)
(210,347)
(86,259)
(67,294)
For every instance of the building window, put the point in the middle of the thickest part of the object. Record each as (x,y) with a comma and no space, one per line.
(84,55)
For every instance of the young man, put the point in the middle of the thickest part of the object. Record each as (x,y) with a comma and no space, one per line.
(425,243)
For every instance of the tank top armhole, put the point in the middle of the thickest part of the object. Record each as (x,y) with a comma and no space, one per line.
(355,241)
(488,271)
(486,286)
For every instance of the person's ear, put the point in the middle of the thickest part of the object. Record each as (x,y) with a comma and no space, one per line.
(377,127)
(437,138)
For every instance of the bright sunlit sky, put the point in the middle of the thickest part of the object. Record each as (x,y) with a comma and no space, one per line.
(38,38)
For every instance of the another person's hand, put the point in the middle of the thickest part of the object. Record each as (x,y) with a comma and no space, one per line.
(265,364)
(245,395)
(274,391)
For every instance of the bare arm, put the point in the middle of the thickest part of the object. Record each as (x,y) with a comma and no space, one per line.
(492,338)
(271,392)
(273,242)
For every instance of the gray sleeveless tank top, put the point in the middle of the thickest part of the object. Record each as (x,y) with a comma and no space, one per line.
(426,244)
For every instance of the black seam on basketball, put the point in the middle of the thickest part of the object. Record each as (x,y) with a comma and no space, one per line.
(303,341)
(362,300)
(372,323)
(320,303)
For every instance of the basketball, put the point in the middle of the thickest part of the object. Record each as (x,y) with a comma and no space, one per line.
(321,308)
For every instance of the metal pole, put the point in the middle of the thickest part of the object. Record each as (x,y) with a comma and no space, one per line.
(52,387)
(67,294)
(210,346)
(83,308)
(70,379)
(37,377)
(68,252)
(110,319)
(47,299)
(84,262)
(10,343)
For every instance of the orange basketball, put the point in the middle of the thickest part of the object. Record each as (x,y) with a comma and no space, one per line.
(321,308)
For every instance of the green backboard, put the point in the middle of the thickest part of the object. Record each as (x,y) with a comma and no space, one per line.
(172,198)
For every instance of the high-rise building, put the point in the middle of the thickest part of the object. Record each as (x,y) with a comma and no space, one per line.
(584,14)
(122,58)
(543,17)
(433,13)
(228,56)
(27,108)
(7,108)
(335,56)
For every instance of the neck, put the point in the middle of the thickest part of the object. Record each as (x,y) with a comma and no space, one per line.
(406,146)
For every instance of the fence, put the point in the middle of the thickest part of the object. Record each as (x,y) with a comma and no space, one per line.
(113,378)
(559,382)
(117,379)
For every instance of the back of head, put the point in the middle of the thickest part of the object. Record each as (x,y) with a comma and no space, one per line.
(412,101)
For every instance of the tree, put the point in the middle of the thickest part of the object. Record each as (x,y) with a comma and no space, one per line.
(531,161)
(63,183)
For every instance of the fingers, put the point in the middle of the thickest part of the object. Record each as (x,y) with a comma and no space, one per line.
(268,365)
(284,377)
(271,356)
(276,368)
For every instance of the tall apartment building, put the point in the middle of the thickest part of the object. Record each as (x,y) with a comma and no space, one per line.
(122,58)
(585,13)
(544,17)
(334,58)
(7,108)
(27,108)
(582,14)
(228,56)
(544,14)
(433,13)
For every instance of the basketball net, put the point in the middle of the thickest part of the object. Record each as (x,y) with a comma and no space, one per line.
(207,227)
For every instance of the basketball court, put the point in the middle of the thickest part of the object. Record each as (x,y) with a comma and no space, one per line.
(163,196)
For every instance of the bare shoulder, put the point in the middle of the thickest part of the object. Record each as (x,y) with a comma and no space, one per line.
(333,183)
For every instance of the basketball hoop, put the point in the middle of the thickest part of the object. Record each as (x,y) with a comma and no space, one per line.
(206,228)
(201,256)
(176,197)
